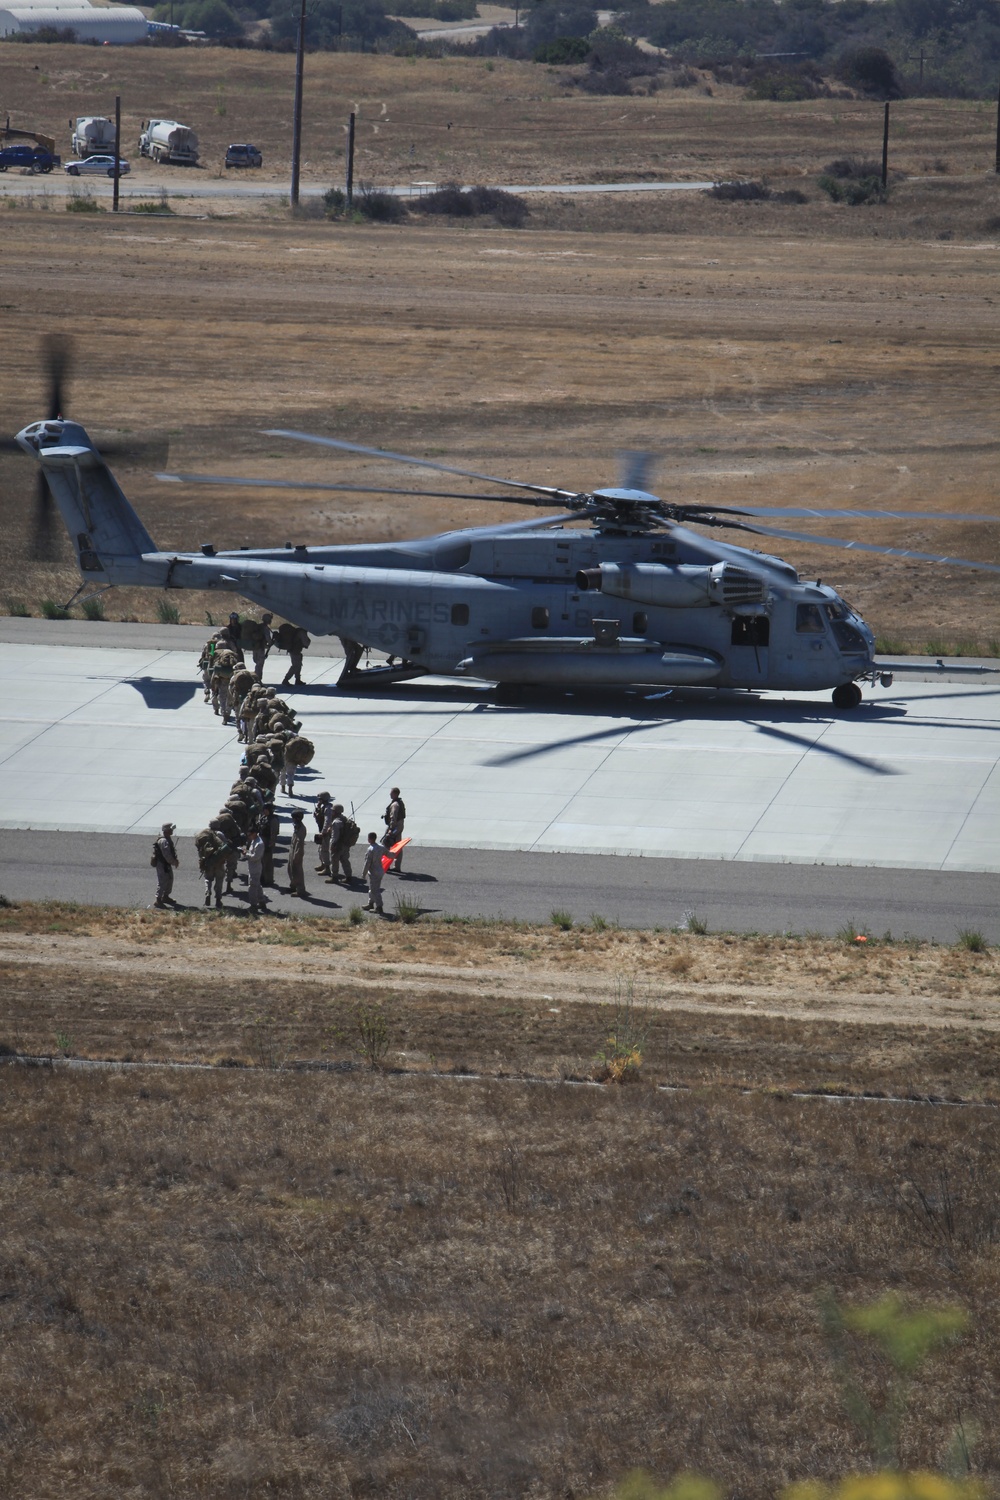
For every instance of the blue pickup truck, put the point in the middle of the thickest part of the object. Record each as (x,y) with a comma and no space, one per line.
(34,158)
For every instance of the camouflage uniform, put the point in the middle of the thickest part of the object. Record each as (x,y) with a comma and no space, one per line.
(166,862)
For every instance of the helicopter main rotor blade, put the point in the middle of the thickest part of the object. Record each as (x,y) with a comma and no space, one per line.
(423,463)
(347,489)
(844,546)
(780,577)
(805,513)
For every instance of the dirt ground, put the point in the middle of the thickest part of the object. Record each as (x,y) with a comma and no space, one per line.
(506,999)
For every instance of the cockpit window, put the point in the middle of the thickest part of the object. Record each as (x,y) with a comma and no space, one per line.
(808,620)
(837,610)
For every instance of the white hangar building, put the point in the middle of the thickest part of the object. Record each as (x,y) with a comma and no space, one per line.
(117,24)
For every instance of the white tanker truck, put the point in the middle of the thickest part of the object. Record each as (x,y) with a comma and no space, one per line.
(93,135)
(166,140)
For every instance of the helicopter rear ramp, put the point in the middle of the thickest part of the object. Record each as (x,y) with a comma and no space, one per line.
(117,739)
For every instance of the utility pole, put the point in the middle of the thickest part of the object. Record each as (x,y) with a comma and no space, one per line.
(885,147)
(351,161)
(297,112)
(118,151)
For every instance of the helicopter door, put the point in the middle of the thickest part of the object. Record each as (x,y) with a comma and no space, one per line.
(749,648)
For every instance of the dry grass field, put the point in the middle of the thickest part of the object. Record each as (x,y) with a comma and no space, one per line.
(257,1278)
(792,353)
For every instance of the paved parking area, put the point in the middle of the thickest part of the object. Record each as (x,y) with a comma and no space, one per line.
(118,739)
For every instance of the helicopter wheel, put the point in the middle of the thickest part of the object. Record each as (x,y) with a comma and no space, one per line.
(507,692)
(847,695)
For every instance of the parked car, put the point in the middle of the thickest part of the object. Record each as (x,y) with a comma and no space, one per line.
(243,156)
(35,158)
(103,165)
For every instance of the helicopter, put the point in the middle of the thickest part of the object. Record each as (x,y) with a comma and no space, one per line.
(614,590)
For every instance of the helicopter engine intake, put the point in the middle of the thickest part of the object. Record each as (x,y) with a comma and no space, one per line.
(686,586)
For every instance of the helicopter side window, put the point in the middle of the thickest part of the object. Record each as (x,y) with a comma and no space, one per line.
(539,618)
(640,622)
(836,611)
(460,614)
(808,620)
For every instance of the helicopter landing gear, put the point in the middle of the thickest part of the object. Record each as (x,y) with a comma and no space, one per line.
(847,695)
(507,693)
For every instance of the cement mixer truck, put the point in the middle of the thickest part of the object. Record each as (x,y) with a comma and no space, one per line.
(93,135)
(166,140)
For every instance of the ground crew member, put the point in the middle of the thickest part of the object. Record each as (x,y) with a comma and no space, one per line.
(373,874)
(287,782)
(323,813)
(165,862)
(296,851)
(253,853)
(340,849)
(394,818)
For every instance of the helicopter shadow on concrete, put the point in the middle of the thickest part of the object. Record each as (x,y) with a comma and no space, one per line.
(863,762)
(649,712)
(161,692)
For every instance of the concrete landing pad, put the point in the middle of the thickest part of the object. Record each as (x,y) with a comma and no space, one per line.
(119,740)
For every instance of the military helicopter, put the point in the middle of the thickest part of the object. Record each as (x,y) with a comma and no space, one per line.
(632,598)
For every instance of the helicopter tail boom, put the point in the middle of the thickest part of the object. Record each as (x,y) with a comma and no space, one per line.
(108,537)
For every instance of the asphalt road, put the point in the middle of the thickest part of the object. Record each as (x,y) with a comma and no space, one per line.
(113,869)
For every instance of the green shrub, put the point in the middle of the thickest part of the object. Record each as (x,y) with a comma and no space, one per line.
(563,920)
(562,51)
(167,613)
(854,190)
(53,611)
(93,609)
(738,192)
(379,207)
(18,608)
(972,940)
(82,203)
(334,202)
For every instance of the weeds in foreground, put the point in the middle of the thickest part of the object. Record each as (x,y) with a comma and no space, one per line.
(563,920)
(261,1032)
(18,609)
(371,1032)
(621,1058)
(93,609)
(53,611)
(972,939)
(356,916)
(64,1043)
(407,910)
(694,923)
(167,613)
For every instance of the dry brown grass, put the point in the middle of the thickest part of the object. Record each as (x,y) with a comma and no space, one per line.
(256,1283)
(504,999)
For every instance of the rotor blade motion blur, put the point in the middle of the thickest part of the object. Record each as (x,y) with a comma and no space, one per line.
(806,513)
(423,463)
(846,546)
(347,489)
